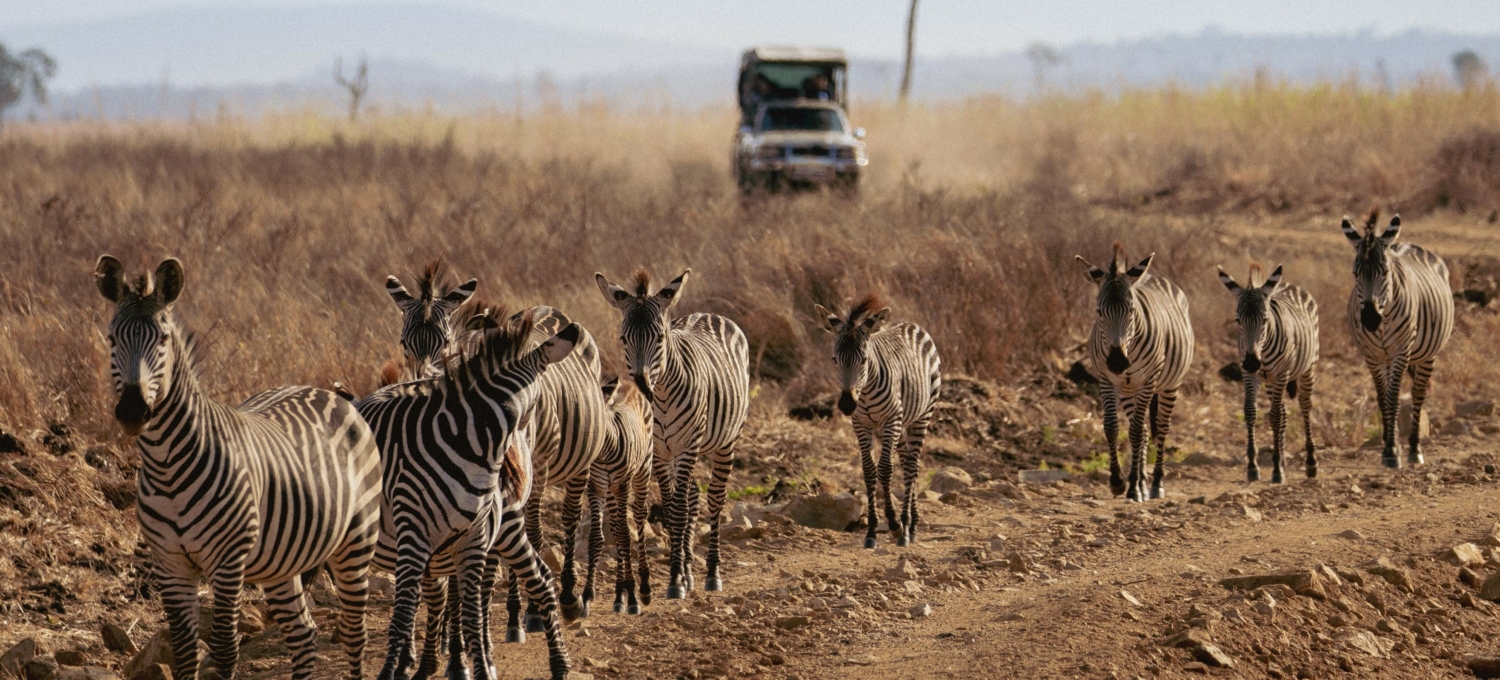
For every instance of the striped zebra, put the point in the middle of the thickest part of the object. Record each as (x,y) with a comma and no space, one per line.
(888,382)
(1140,349)
(458,447)
(1278,345)
(695,372)
(623,475)
(1401,315)
(261,493)
(426,327)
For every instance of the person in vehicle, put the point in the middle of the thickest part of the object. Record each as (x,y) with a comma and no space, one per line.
(816,86)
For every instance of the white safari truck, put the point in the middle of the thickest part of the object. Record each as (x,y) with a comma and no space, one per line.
(794,129)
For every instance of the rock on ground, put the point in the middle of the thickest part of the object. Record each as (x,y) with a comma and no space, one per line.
(824,511)
(950,479)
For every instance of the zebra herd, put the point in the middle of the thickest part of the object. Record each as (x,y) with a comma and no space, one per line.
(437,475)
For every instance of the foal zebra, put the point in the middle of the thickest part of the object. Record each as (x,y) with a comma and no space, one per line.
(888,382)
(1401,315)
(426,327)
(1140,349)
(1279,345)
(695,371)
(261,493)
(623,472)
(459,472)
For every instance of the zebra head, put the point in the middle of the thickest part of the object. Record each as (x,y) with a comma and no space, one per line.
(1372,268)
(1252,309)
(1116,306)
(643,330)
(426,328)
(851,345)
(502,363)
(141,337)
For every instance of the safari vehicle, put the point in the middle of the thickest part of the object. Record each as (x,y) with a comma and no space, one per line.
(794,129)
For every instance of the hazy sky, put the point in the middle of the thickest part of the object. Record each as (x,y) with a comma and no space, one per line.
(873,28)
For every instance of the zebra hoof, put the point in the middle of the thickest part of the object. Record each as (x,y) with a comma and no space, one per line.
(1252,474)
(634,610)
(536,624)
(901,541)
(1312,472)
(869,542)
(1415,459)
(1158,493)
(515,636)
(458,672)
(1276,477)
(676,593)
(1391,462)
(571,611)
(713,584)
(619,607)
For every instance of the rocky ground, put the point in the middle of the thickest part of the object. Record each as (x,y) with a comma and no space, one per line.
(1361,572)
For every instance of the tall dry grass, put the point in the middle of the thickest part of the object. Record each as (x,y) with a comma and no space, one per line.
(968,222)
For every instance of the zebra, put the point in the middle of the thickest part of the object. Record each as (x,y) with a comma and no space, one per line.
(695,372)
(426,326)
(889,378)
(1401,315)
(259,493)
(1140,349)
(1278,344)
(458,450)
(623,474)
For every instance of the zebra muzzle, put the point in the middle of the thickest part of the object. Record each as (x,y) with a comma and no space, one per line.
(132,410)
(846,402)
(1251,363)
(1116,362)
(643,385)
(1369,317)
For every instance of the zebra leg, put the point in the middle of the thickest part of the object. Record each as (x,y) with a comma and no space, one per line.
(471,575)
(1138,409)
(1421,377)
(179,599)
(228,582)
(486,598)
(534,622)
(722,463)
(525,564)
(411,564)
(889,439)
(867,467)
(1278,428)
(689,533)
(640,498)
(1304,388)
(911,459)
(514,633)
(453,613)
(1252,468)
(619,529)
(680,523)
(598,493)
(572,508)
(1161,425)
(288,609)
(350,568)
(435,594)
(1110,402)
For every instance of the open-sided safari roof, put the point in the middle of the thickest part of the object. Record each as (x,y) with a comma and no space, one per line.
(805,55)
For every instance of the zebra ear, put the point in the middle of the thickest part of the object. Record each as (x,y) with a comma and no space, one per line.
(1140,268)
(616,295)
(669,292)
(1350,232)
(397,292)
(875,321)
(168,280)
(1272,282)
(109,276)
(1229,282)
(1095,274)
(559,346)
(460,294)
(831,321)
(1392,231)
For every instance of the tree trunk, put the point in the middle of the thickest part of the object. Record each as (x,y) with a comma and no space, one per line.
(911,32)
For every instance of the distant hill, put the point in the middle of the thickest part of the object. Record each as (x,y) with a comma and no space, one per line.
(245,60)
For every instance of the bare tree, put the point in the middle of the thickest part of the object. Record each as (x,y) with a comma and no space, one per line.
(1469,69)
(1042,57)
(357,86)
(23,73)
(911,35)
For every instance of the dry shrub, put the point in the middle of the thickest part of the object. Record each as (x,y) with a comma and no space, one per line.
(1466,171)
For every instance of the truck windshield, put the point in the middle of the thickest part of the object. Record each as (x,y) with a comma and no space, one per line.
(792,118)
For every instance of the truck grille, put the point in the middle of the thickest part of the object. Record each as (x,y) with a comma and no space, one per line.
(815,150)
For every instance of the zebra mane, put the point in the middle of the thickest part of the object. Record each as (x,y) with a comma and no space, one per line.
(1257,275)
(503,341)
(642,280)
(1370,222)
(867,305)
(1116,260)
